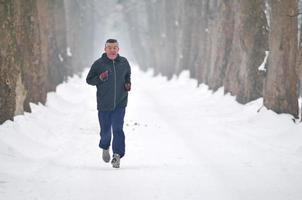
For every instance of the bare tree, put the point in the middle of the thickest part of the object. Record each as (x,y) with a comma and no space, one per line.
(280,92)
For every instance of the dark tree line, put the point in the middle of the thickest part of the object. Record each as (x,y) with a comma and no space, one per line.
(42,42)
(223,43)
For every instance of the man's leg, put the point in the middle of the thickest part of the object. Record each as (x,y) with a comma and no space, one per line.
(118,143)
(105,124)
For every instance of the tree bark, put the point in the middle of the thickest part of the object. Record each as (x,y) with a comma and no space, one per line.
(280,92)
(243,79)
(9,62)
(220,37)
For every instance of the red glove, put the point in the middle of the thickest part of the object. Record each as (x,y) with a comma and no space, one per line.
(104,76)
(128,86)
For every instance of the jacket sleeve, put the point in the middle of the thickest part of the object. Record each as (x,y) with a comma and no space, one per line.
(128,75)
(92,77)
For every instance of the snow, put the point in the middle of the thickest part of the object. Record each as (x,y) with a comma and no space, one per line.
(182,142)
(68,51)
(267,12)
(262,66)
(60,57)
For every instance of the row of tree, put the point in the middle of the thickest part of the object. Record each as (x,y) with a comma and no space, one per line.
(252,48)
(224,43)
(42,42)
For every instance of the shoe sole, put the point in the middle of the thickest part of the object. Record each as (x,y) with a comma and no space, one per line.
(115,162)
(115,166)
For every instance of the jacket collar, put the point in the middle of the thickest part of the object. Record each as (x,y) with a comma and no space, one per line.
(104,56)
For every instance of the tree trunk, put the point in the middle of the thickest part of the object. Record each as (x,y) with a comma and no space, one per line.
(80,32)
(9,62)
(280,92)
(34,69)
(243,79)
(222,29)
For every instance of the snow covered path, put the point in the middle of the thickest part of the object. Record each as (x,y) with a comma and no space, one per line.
(182,142)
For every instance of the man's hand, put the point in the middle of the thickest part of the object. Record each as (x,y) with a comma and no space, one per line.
(128,86)
(104,75)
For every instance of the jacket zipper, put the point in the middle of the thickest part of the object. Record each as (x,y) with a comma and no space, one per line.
(114,103)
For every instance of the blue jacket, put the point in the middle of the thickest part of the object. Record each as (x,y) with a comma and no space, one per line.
(111,92)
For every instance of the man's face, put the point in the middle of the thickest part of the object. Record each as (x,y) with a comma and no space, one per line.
(111,49)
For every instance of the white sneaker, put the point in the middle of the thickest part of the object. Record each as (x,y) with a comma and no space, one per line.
(106,155)
(116,161)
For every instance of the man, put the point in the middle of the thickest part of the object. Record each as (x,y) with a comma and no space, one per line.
(111,76)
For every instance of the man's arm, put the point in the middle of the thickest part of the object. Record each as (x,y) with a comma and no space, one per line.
(128,75)
(92,77)
(128,78)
